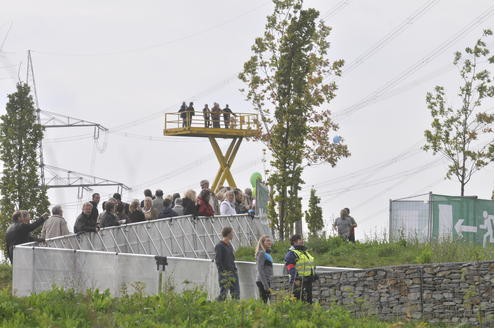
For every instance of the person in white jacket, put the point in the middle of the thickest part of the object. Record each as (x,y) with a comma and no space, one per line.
(228,206)
(56,225)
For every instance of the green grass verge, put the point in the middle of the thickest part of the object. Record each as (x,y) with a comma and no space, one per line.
(335,252)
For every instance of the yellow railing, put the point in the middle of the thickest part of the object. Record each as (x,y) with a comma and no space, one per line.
(236,121)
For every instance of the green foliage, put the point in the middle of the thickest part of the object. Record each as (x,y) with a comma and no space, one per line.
(335,251)
(314,214)
(59,308)
(463,134)
(288,83)
(425,256)
(20,136)
(5,276)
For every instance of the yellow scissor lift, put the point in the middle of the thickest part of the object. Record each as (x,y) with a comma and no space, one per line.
(241,125)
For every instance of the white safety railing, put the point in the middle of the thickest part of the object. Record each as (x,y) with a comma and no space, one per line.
(184,236)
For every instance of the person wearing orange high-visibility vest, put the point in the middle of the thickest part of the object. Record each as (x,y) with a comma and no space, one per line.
(301,268)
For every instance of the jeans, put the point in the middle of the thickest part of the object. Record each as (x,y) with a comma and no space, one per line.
(228,280)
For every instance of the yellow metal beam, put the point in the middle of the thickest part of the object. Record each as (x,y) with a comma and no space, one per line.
(225,162)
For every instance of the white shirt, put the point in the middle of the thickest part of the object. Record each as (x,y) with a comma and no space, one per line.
(227,208)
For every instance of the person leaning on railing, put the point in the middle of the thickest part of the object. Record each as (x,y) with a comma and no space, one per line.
(19,232)
(84,222)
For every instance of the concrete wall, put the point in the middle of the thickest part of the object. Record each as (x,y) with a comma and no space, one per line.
(447,292)
(39,268)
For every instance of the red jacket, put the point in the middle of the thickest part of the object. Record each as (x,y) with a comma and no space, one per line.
(204,208)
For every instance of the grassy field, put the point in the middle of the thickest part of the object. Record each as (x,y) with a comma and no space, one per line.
(335,252)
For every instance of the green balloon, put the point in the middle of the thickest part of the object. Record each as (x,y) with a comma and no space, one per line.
(255,177)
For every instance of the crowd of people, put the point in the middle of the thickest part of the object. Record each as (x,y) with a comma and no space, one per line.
(114,212)
(211,116)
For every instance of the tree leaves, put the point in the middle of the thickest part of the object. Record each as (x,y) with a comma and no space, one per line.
(289,83)
(20,135)
(462,134)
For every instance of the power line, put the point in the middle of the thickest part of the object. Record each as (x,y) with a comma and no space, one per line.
(375,168)
(374,96)
(335,9)
(403,26)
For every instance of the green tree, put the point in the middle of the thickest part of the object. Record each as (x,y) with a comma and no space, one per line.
(463,133)
(20,136)
(314,214)
(289,82)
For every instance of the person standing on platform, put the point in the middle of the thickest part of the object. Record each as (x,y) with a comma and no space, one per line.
(226,116)
(190,114)
(56,225)
(301,268)
(84,222)
(158,201)
(135,212)
(203,204)
(206,116)
(227,270)
(205,184)
(95,200)
(183,114)
(227,207)
(19,232)
(215,115)
(149,211)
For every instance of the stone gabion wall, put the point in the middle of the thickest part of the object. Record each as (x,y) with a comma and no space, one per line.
(446,292)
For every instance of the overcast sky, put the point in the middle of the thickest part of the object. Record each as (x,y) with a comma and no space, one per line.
(125,63)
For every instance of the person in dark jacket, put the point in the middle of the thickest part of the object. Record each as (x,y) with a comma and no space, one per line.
(215,115)
(227,270)
(84,222)
(203,202)
(189,203)
(108,218)
(183,114)
(190,113)
(240,205)
(19,232)
(264,267)
(95,200)
(122,208)
(226,116)
(206,115)
(135,212)
(167,211)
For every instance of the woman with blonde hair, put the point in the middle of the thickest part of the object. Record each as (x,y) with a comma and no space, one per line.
(149,211)
(135,213)
(189,203)
(264,267)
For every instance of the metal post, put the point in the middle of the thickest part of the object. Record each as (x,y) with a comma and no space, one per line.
(161,263)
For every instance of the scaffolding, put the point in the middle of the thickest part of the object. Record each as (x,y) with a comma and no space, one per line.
(237,127)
